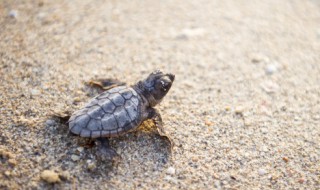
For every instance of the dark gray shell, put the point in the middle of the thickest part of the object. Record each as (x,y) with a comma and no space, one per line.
(111,113)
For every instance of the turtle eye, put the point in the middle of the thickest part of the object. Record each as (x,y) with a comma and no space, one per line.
(164,85)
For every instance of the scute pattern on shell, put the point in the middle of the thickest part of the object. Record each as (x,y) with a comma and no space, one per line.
(111,113)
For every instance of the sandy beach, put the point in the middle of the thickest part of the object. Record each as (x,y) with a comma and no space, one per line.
(243,112)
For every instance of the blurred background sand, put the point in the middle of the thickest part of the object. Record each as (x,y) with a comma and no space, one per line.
(243,111)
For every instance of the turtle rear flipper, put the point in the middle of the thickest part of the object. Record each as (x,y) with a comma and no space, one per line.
(104,151)
(105,84)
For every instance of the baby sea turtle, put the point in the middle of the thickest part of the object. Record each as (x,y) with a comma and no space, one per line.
(121,109)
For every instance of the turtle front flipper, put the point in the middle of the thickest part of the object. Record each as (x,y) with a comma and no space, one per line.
(154,114)
(104,150)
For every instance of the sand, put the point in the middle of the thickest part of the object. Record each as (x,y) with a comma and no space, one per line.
(243,111)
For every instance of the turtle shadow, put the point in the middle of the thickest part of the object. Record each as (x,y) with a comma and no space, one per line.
(144,145)
(143,149)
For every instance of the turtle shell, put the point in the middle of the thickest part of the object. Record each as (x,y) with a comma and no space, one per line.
(112,113)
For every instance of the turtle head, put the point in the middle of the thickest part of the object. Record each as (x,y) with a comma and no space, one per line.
(156,86)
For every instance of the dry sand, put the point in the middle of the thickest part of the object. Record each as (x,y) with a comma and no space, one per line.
(243,112)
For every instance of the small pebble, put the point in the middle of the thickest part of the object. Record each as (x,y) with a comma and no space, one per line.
(257,58)
(7,173)
(171,170)
(271,69)
(170,179)
(190,32)
(262,171)
(50,176)
(12,162)
(33,185)
(194,31)
(195,159)
(274,177)
(216,176)
(80,149)
(35,92)
(264,149)
(264,130)
(6,154)
(75,158)
(233,177)
(50,122)
(76,99)
(238,110)
(208,123)
(41,15)
(13,14)
(91,165)
(217,184)
(65,175)
(286,159)
(301,180)
(270,87)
